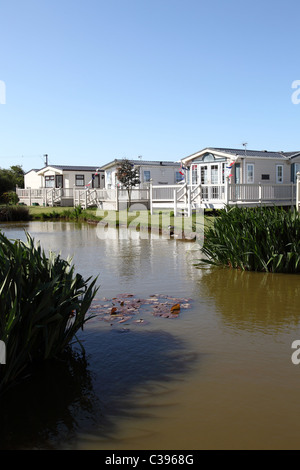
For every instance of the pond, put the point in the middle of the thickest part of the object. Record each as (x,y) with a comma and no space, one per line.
(218,375)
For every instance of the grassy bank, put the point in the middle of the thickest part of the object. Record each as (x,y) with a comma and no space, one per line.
(137,220)
(140,219)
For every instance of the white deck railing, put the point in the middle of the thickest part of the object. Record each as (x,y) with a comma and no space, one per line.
(221,195)
(170,196)
(43,196)
(262,193)
(298,192)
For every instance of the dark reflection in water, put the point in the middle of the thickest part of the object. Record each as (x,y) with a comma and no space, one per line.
(85,394)
(250,300)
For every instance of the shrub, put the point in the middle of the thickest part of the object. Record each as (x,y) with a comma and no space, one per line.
(10,197)
(43,304)
(256,239)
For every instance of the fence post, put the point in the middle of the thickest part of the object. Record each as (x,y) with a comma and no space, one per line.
(226,195)
(298,192)
(117,198)
(30,196)
(151,197)
(189,202)
(259,192)
(175,203)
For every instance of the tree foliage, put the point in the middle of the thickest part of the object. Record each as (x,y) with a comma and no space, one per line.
(128,176)
(10,178)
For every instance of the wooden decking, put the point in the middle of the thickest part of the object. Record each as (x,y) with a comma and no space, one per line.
(179,197)
(109,199)
(212,196)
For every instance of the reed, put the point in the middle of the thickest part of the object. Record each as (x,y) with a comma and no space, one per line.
(14,213)
(43,304)
(256,239)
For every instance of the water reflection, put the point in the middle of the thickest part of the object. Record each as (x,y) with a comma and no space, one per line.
(123,265)
(249,300)
(89,394)
(49,406)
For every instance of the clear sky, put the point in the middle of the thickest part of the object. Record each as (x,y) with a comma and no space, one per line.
(87,81)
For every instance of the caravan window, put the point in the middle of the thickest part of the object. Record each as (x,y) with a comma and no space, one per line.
(250,173)
(79,180)
(194,174)
(147,176)
(49,182)
(279,173)
(214,174)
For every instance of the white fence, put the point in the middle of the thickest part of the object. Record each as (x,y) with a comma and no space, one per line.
(221,195)
(298,192)
(106,198)
(179,196)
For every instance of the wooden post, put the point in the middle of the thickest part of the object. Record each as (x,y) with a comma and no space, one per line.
(117,198)
(259,192)
(151,197)
(175,202)
(189,202)
(298,192)
(226,195)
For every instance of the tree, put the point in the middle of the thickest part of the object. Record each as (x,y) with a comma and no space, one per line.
(128,176)
(10,178)
(17,175)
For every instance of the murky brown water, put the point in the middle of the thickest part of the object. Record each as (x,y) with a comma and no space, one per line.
(220,376)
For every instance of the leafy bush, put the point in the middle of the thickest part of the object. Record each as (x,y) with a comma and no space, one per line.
(43,304)
(10,197)
(256,239)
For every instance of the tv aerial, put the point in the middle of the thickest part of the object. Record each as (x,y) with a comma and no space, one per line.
(244,144)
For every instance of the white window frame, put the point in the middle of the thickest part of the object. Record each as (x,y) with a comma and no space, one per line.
(147,176)
(178,177)
(79,181)
(214,173)
(50,181)
(194,174)
(204,174)
(279,178)
(250,180)
(223,172)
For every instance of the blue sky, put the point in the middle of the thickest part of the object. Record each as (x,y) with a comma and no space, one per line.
(89,81)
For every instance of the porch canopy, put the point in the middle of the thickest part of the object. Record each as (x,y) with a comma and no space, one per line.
(56,171)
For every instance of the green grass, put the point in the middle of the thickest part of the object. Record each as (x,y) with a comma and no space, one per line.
(112,218)
(62,213)
(257,239)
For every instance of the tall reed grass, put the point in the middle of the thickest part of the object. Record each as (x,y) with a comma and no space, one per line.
(43,304)
(256,239)
(14,213)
